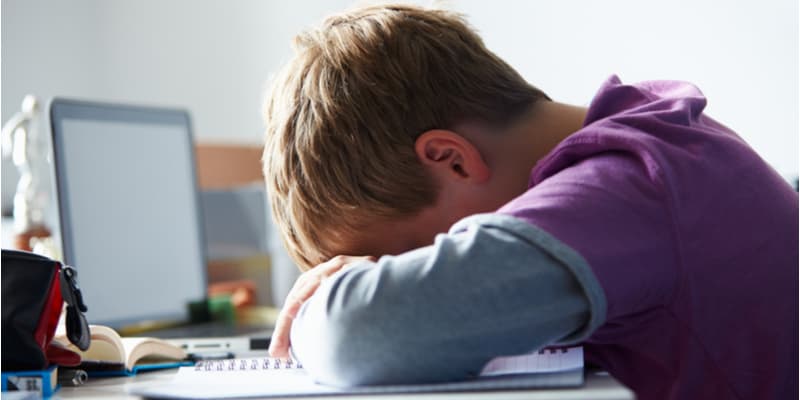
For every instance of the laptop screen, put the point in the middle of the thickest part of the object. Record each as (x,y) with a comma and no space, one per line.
(129,210)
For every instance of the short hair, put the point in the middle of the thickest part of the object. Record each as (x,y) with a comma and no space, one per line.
(343,115)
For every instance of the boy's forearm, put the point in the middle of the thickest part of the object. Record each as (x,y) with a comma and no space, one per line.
(441,312)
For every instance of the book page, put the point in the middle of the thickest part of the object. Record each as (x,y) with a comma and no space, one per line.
(151,349)
(110,352)
(105,345)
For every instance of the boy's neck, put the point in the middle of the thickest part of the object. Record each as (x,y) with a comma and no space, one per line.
(550,123)
(531,138)
(512,153)
(534,135)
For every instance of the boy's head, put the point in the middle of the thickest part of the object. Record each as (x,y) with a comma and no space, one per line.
(360,119)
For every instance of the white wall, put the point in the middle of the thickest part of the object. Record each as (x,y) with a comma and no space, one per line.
(210,56)
(213,57)
(742,54)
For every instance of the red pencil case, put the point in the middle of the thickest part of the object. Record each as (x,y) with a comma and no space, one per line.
(34,290)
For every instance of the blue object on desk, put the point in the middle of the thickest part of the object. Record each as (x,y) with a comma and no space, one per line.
(42,382)
(141,368)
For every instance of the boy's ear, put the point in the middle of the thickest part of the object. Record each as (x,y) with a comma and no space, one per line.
(451,156)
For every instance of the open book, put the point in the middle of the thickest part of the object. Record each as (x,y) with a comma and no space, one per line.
(110,354)
(270,377)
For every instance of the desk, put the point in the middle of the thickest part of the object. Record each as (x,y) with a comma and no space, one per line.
(599,385)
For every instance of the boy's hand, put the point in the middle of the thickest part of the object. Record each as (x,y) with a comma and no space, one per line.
(303,288)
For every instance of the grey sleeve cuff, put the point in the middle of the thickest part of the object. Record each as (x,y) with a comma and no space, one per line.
(494,285)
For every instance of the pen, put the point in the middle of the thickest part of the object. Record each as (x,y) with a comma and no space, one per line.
(72,377)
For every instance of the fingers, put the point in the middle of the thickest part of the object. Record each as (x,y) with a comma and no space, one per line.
(305,286)
(279,343)
(303,289)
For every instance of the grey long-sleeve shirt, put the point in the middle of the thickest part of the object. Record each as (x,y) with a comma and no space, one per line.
(494,285)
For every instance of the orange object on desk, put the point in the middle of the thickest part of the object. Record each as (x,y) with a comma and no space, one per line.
(242,292)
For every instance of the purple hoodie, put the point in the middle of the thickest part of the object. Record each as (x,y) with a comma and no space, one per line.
(693,237)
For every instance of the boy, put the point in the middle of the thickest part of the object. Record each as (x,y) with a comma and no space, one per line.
(639,227)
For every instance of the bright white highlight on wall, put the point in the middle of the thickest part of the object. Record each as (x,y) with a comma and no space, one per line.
(742,54)
(213,57)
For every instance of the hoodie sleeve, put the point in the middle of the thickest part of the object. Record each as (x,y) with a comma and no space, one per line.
(494,285)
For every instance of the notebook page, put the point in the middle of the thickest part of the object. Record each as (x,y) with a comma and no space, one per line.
(545,360)
(269,377)
(244,377)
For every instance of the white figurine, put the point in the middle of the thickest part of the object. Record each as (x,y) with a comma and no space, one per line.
(28,149)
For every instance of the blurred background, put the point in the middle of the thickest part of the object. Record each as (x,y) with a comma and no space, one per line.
(214,57)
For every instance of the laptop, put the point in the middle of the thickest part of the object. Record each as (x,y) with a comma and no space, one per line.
(131,221)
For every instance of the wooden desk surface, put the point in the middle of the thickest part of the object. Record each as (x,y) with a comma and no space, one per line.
(598,385)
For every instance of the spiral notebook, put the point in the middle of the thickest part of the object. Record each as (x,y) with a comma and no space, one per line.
(269,377)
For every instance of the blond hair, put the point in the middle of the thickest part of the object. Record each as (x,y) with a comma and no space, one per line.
(343,115)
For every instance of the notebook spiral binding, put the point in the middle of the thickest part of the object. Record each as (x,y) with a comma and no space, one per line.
(247,364)
(553,350)
(267,363)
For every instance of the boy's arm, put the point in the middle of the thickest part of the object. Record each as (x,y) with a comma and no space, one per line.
(494,285)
